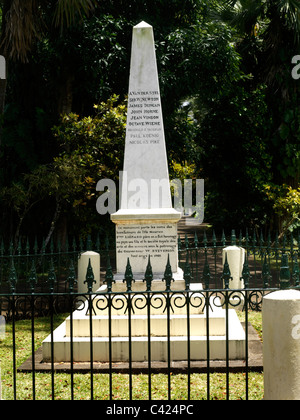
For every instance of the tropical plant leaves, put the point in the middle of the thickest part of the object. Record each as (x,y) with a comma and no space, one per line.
(67,10)
(24,23)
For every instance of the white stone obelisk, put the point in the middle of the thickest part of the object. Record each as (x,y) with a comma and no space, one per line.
(146,223)
(145,150)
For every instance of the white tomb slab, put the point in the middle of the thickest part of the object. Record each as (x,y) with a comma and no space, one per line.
(119,340)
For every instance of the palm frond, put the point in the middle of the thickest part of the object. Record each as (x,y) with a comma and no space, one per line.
(241,14)
(67,10)
(289,10)
(22,26)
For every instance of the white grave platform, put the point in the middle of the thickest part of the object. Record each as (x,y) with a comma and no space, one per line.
(119,326)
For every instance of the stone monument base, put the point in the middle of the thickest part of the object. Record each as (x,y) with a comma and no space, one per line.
(118,323)
(144,233)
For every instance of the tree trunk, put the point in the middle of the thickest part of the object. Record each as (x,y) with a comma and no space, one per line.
(54,221)
(66,96)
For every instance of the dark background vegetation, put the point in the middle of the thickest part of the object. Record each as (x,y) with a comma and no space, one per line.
(230,105)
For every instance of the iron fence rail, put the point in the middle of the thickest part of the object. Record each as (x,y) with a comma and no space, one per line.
(251,239)
(264,255)
(50,275)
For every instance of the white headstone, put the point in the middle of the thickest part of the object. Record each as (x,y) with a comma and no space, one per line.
(146,223)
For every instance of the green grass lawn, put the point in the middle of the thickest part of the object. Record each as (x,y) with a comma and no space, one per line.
(120,382)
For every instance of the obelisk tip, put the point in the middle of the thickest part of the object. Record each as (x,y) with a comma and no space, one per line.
(142,25)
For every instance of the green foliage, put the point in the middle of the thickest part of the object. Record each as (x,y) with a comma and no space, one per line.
(230,106)
(95,146)
(91,148)
(24,25)
(286,141)
(182,172)
(286,204)
(268,35)
(18,144)
(235,160)
(95,143)
(204,51)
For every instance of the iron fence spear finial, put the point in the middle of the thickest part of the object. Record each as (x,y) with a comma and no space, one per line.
(51,276)
(246,273)
(187,275)
(109,277)
(32,279)
(128,276)
(71,279)
(168,275)
(226,276)
(12,276)
(148,275)
(90,278)
(266,276)
(206,273)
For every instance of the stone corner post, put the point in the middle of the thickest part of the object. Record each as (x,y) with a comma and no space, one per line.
(83,263)
(281,345)
(235,258)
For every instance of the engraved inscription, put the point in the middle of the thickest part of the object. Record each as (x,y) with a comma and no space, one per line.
(140,241)
(144,122)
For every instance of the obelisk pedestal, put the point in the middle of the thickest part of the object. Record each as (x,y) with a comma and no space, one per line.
(146,223)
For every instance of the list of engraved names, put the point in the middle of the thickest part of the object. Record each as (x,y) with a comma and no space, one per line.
(144,122)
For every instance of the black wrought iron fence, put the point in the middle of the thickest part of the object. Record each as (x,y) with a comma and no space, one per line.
(264,255)
(24,361)
(52,354)
(33,266)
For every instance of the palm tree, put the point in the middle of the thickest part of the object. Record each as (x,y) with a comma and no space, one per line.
(23,23)
(274,26)
(277,22)
(245,14)
(242,14)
